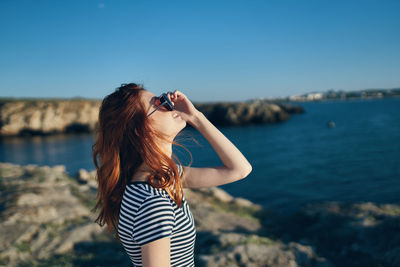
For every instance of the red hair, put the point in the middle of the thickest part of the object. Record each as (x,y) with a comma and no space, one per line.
(124,141)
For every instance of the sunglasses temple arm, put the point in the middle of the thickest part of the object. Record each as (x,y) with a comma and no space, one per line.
(156,109)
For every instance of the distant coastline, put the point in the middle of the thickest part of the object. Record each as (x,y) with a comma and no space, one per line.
(46,116)
(335,95)
(30,116)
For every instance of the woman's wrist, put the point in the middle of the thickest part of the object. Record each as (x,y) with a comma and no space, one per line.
(196,118)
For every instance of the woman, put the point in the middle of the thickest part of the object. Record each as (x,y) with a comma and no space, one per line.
(139,183)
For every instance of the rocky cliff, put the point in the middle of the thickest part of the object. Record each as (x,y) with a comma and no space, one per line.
(46,221)
(30,117)
(245,113)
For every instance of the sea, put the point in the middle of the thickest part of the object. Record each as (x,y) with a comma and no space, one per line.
(338,150)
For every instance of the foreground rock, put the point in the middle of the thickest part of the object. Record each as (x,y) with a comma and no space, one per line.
(39,117)
(46,221)
(357,234)
(232,232)
(42,213)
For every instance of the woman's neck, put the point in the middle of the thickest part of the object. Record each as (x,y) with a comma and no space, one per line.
(143,171)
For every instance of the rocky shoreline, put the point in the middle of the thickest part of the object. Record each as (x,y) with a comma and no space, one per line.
(46,116)
(46,221)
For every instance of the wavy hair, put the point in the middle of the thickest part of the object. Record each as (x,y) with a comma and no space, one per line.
(124,141)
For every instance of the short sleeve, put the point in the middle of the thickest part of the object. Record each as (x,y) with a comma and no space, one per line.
(155,219)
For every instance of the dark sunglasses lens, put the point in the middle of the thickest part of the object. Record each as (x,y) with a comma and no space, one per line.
(168,105)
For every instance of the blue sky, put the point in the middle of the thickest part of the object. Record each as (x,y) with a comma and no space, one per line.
(210,50)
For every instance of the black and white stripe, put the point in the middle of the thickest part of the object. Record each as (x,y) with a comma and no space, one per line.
(148,214)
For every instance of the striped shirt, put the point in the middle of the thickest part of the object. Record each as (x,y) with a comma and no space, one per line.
(147,214)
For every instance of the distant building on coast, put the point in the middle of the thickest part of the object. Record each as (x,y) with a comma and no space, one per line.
(332,95)
(341,95)
(307,97)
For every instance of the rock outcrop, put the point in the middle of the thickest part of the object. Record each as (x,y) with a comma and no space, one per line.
(41,117)
(46,221)
(30,117)
(246,113)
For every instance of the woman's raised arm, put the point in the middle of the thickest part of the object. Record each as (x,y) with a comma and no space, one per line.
(235,165)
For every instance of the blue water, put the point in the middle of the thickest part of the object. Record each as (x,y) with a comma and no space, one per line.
(295,162)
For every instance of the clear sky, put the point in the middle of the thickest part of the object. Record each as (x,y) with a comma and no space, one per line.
(210,50)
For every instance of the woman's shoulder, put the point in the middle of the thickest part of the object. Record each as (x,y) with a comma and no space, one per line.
(144,190)
(155,205)
(141,195)
(141,181)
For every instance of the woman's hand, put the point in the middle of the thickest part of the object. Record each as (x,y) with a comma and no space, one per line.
(183,106)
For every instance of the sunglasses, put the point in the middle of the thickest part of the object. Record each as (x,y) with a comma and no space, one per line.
(164,101)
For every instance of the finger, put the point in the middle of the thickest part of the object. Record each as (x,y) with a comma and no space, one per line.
(169,95)
(177,93)
(174,95)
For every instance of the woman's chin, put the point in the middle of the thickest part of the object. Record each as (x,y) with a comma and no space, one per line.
(182,124)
